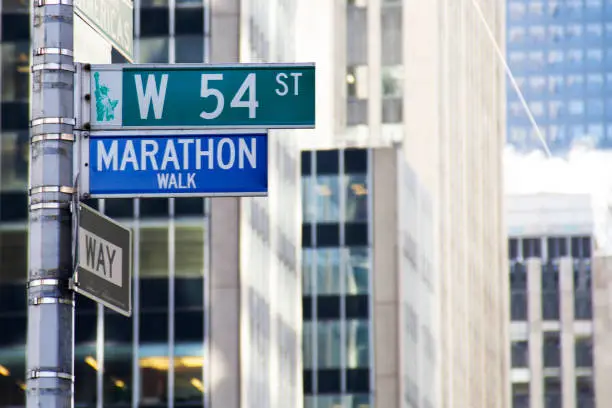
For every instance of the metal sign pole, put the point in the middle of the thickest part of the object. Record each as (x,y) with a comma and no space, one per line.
(50,341)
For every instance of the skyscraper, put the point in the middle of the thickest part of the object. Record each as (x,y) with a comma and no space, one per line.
(240,254)
(558,54)
(424,75)
(551,287)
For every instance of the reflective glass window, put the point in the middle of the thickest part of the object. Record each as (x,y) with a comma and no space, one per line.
(328,344)
(307,276)
(14,158)
(357,271)
(189,48)
(357,343)
(154,49)
(188,374)
(356,198)
(117,373)
(328,198)
(307,345)
(328,271)
(153,364)
(12,374)
(15,71)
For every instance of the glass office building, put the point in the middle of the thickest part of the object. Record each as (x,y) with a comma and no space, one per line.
(154,359)
(559,53)
(369,281)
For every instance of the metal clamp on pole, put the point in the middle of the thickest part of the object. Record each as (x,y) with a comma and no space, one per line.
(42,3)
(53,51)
(66,137)
(47,300)
(52,189)
(34,374)
(52,121)
(52,66)
(48,282)
(53,205)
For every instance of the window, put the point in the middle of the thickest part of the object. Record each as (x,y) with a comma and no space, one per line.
(551,350)
(583,307)
(357,343)
(583,348)
(391,36)
(328,271)
(512,249)
(556,247)
(518,292)
(356,36)
(555,83)
(520,354)
(154,252)
(15,71)
(581,247)
(585,392)
(595,107)
(307,276)
(575,56)
(14,158)
(576,107)
(532,248)
(537,83)
(550,291)
(327,192)
(516,34)
(555,33)
(358,271)
(328,344)
(517,10)
(520,395)
(553,397)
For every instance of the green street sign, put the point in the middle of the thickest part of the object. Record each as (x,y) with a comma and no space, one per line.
(192,96)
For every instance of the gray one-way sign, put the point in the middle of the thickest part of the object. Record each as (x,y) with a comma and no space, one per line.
(104,260)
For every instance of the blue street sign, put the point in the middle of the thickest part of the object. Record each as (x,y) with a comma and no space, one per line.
(174,163)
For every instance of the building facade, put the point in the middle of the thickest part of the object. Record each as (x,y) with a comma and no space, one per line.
(370,317)
(552,325)
(241,255)
(558,54)
(426,75)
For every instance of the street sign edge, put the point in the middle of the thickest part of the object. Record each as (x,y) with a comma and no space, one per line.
(126,53)
(104,302)
(187,65)
(76,288)
(179,195)
(201,128)
(164,131)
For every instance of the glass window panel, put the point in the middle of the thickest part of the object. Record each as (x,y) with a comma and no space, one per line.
(520,354)
(12,374)
(15,71)
(329,401)
(584,352)
(154,375)
(188,385)
(307,345)
(188,3)
(189,48)
(154,252)
(585,392)
(189,249)
(153,3)
(328,198)
(356,401)
(551,350)
(356,36)
(356,201)
(357,343)
(14,158)
(328,344)
(328,271)
(13,256)
(308,199)
(85,373)
(117,374)
(307,276)
(391,36)
(154,49)
(358,271)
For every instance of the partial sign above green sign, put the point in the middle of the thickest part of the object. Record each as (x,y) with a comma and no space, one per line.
(187,96)
(112,19)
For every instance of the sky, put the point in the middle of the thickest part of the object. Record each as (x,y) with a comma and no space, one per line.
(583,170)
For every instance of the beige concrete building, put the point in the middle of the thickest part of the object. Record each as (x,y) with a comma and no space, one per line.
(425,75)
(255,285)
(553,318)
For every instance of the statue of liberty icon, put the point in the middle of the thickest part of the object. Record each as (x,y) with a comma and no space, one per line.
(105,106)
